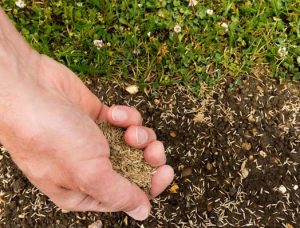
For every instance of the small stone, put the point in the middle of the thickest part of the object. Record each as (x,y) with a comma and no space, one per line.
(132,89)
(174,188)
(97,224)
(1,157)
(251,118)
(295,187)
(21,216)
(263,153)
(156,101)
(173,134)
(250,158)
(254,131)
(186,172)
(209,166)
(246,146)
(282,189)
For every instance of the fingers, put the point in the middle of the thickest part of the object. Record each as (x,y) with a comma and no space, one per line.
(139,136)
(161,179)
(122,116)
(114,192)
(154,154)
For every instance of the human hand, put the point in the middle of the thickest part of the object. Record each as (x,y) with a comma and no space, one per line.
(48,125)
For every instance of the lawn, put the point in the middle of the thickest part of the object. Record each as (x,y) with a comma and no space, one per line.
(156,43)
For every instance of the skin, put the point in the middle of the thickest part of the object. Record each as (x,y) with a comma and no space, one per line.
(47,122)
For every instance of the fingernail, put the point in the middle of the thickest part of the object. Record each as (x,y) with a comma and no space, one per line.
(119,114)
(140,213)
(141,136)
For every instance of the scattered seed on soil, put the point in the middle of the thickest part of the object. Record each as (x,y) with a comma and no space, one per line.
(262,153)
(216,139)
(186,172)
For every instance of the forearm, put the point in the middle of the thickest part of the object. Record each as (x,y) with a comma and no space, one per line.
(11,42)
(16,62)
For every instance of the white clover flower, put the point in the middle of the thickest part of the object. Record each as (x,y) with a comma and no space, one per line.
(140,5)
(177,28)
(20,3)
(149,34)
(225,26)
(99,44)
(193,2)
(282,52)
(209,12)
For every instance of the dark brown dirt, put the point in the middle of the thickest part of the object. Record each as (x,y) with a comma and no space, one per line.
(236,155)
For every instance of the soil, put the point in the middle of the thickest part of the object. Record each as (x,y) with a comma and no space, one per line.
(235,151)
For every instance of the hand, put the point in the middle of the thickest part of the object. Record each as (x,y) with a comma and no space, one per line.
(47,121)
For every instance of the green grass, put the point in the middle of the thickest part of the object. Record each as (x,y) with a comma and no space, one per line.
(203,50)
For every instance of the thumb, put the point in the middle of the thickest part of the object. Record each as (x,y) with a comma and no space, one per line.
(112,191)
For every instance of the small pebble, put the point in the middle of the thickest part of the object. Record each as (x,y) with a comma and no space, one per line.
(251,118)
(250,158)
(295,187)
(174,188)
(254,131)
(282,189)
(97,224)
(209,166)
(173,134)
(246,146)
(156,101)
(132,89)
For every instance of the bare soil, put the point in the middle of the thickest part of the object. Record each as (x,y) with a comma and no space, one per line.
(235,151)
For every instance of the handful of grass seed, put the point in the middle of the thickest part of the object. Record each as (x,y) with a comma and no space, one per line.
(127,161)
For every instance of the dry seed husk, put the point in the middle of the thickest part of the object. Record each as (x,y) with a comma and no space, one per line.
(127,161)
